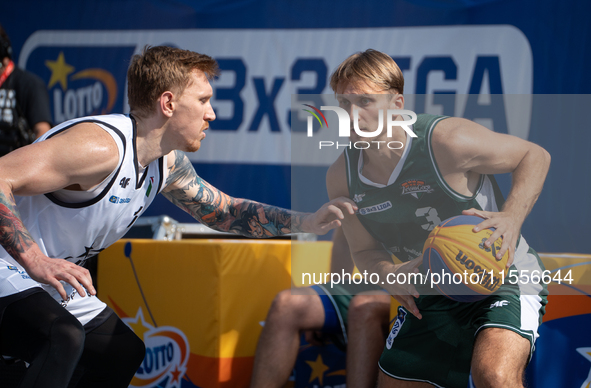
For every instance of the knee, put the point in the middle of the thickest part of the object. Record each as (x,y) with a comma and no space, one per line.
(283,306)
(136,352)
(370,308)
(66,335)
(495,376)
(123,357)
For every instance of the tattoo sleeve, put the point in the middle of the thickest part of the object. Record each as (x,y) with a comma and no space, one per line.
(14,237)
(221,212)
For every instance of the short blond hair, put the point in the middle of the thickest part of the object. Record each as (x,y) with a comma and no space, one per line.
(371,66)
(161,68)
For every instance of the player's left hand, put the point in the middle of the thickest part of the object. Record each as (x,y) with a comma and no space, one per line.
(329,216)
(506,225)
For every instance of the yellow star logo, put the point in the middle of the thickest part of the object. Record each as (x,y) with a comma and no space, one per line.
(59,71)
(318,369)
(138,325)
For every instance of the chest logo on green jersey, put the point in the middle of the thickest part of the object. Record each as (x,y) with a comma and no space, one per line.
(358,197)
(380,207)
(415,187)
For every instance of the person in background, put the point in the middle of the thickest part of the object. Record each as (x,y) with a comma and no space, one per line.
(24,103)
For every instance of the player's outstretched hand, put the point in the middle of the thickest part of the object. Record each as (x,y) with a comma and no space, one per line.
(329,216)
(51,271)
(405,293)
(506,225)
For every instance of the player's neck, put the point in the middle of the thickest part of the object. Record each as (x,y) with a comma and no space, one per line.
(380,162)
(378,165)
(149,141)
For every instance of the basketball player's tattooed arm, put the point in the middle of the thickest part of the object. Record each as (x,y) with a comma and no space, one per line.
(14,237)
(17,241)
(222,212)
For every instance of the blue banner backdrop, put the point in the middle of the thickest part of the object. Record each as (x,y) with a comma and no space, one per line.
(268,51)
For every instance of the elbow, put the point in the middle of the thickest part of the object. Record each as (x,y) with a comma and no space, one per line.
(546,158)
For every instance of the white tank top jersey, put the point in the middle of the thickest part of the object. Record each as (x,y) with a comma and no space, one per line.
(75,225)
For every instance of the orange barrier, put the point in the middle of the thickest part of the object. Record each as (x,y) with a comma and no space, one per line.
(208,297)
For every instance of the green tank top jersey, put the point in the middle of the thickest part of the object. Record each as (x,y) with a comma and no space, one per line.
(402,213)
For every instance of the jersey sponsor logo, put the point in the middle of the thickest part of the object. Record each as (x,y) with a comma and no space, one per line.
(396,327)
(415,187)
(499,303)
(124,182)
(380,207)
(167,354)
(358,197)
(114,199)
(23,274)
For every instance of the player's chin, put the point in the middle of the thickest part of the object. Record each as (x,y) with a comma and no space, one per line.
(193,147)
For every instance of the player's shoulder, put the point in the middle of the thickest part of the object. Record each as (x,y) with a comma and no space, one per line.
(336,179)
(454,134)
(84,137)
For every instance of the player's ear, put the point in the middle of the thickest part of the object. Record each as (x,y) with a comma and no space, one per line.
(397,101)
(166,103)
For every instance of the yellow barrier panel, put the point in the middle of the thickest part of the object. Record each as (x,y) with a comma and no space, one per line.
(213,294)
(311,258)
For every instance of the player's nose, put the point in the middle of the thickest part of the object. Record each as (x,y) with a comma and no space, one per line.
(209,113)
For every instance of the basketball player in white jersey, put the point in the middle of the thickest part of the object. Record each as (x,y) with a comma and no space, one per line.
(80,188)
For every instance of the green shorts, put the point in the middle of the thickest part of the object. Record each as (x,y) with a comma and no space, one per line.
(438,348)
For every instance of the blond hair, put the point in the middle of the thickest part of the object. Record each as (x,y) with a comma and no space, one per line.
(371,66)
(159,69)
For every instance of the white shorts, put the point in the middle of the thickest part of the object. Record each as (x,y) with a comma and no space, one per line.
(14,279)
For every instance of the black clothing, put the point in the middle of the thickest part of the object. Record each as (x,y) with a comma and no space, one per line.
(22,96)
(105,353)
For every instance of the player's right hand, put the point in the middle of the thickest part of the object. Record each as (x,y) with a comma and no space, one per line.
(51,271)
(329,216)
(405,293)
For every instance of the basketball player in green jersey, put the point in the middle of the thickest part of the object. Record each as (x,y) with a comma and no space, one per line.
(402,194)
